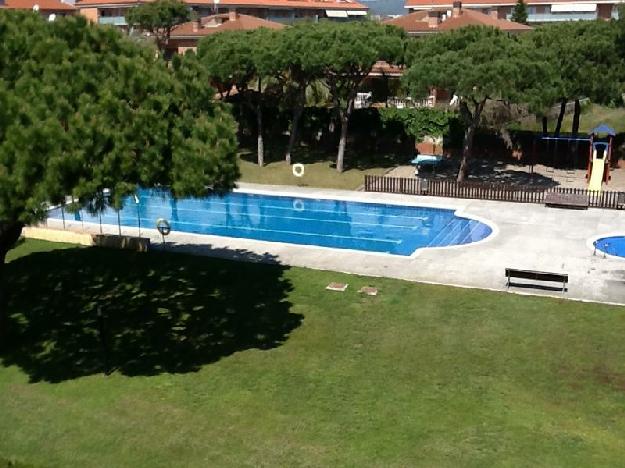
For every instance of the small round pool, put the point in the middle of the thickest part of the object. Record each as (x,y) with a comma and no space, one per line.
(613,245)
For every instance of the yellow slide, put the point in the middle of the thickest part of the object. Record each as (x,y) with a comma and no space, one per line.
(596,175)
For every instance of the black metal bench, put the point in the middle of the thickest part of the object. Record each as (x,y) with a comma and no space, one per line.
(567,200)
(537,276)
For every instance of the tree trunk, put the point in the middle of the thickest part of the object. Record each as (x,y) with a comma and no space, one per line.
(260,146)
(343,141)
(576,114)
(472,120)
(560,118)
(467,149)
(387,91)
(575,131)
(297,114)
(9,234)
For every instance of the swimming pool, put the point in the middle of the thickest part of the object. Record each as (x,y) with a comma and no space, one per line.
(372,227)
(612,245)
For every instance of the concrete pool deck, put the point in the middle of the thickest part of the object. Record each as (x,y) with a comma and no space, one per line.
(526,236)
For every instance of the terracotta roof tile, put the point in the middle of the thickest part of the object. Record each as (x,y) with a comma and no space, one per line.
(417,22)
(310,4)
(413,22)
(211,25)
(44,5)
(428,4)
(320,4)
(476,18)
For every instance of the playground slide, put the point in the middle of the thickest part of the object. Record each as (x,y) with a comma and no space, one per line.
(596,176)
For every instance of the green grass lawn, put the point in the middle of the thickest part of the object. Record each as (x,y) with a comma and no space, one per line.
(319,168)
(318,174)
(204,362)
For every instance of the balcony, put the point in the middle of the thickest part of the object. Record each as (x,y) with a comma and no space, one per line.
(113,20)
(555,17)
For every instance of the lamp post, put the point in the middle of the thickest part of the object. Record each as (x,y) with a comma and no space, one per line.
(107,195)
(138,203)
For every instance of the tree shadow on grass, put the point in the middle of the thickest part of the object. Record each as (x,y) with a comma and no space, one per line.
(79,312)
(355,158)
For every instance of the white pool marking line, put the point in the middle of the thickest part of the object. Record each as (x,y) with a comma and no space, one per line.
(351,223)
(274,207)
(284,190)
(268,246)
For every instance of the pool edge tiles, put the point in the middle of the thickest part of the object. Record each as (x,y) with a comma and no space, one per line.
(364,226)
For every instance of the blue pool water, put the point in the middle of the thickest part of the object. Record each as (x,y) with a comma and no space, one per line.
(393,229)
(614,245)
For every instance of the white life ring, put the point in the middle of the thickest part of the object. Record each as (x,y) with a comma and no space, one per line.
(298,170)
(298,205)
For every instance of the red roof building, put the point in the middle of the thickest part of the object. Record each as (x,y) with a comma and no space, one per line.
(186,36)
(44,7)
(282,11)
(435,20)
(539,11)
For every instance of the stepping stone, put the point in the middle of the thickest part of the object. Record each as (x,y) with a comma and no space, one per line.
(341,287)
(368,290)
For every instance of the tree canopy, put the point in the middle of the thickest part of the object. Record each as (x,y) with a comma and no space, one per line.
(519,12)
(241,60)
(586,56)
(159,18)
(479,64)
(84,109)
(228,58)
(299,62)
(349,52)
(341,55)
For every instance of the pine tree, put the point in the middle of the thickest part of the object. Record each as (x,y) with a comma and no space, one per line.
(480,64)
(519,13)
(82,108)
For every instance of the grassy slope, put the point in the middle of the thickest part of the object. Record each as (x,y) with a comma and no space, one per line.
(590,118)
(419,375)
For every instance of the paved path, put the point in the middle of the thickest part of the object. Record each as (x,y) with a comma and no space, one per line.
(527,236)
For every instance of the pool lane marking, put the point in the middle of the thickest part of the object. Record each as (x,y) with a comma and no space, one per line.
(399,227)
(259,196)
(452,235)
(296,218)
(218,201)
(458,222)
(350,213)
(164,202)
(442,234)
(370,239)
(477,225)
